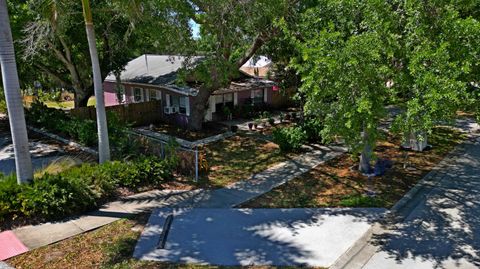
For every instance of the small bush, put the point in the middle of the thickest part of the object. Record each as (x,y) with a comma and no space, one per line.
(76,190)
(271,121)
(289,139)
(312,128)
(82,130)
(3,104)
(362,201)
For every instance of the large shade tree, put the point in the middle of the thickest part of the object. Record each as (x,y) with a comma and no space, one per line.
(359,56)
(346,48)
(231,32)
(14,99)
(52,44)
(438,62)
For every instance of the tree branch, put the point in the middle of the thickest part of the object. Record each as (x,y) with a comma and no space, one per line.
(256,45)
(66,49)
(58,53)
(53,75)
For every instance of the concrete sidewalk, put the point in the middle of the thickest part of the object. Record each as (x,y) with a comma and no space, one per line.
(238,193)
(246,190)
(232,237)
(438,225)
(443,230)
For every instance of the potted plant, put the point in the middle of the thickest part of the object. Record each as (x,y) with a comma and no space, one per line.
(256,123)
(227,112)
(271,121)
(250,125)
(294,115)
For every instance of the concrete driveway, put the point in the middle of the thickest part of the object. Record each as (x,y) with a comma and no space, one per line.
(295,237)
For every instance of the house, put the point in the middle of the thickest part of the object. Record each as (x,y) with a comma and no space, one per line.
(153,77)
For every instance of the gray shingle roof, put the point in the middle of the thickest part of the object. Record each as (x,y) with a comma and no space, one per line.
(160,70)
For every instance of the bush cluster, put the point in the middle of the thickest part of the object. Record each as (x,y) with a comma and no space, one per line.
(289,139)
(82,188)
(82,130)
(312,128)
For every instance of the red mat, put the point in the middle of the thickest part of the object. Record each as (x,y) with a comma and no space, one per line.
(10,245)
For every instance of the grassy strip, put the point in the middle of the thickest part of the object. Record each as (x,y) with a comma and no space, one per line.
(238,157)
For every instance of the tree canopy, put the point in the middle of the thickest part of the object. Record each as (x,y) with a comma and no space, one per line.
(356,57)
(53,44)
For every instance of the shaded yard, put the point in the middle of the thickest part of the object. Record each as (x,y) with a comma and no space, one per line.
(239,157)
(336,184)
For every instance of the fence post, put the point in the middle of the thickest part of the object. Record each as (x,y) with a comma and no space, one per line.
(196,163)
(162,150)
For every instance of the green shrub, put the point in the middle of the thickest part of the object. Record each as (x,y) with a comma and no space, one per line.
(9,189)
(3,104)
(83,130)
(55,196)
(312,128)
(362,201)
(271,121)
(289,139)
(76,190)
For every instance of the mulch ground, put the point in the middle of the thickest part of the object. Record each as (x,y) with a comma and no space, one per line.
(337,183)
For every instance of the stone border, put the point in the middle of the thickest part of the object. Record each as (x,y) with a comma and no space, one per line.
(64,140)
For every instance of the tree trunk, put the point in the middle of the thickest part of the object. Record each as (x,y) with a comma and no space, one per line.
(13,97)
(103,143)
(364,165)
(198,107)
(82,97)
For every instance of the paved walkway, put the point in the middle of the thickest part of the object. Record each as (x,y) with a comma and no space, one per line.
(313,237)
(238,193)
(439,227)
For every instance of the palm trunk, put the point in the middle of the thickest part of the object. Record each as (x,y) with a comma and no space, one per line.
(103,144)
(13,98)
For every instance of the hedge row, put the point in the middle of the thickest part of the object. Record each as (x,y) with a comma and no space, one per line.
(81,130)
(79,189)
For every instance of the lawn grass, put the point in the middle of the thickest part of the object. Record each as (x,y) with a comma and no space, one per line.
(68,104)
(108,247)
(336,184)
(238,157)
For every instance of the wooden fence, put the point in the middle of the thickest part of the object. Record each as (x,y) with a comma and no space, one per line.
(138,114)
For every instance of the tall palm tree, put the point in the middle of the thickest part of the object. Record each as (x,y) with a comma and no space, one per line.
(103,144)
(13,98)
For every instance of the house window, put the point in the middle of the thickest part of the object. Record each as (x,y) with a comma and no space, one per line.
(257,96)
(153,95)
(180,102)
(137,95)
(228,98)
(183,105)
